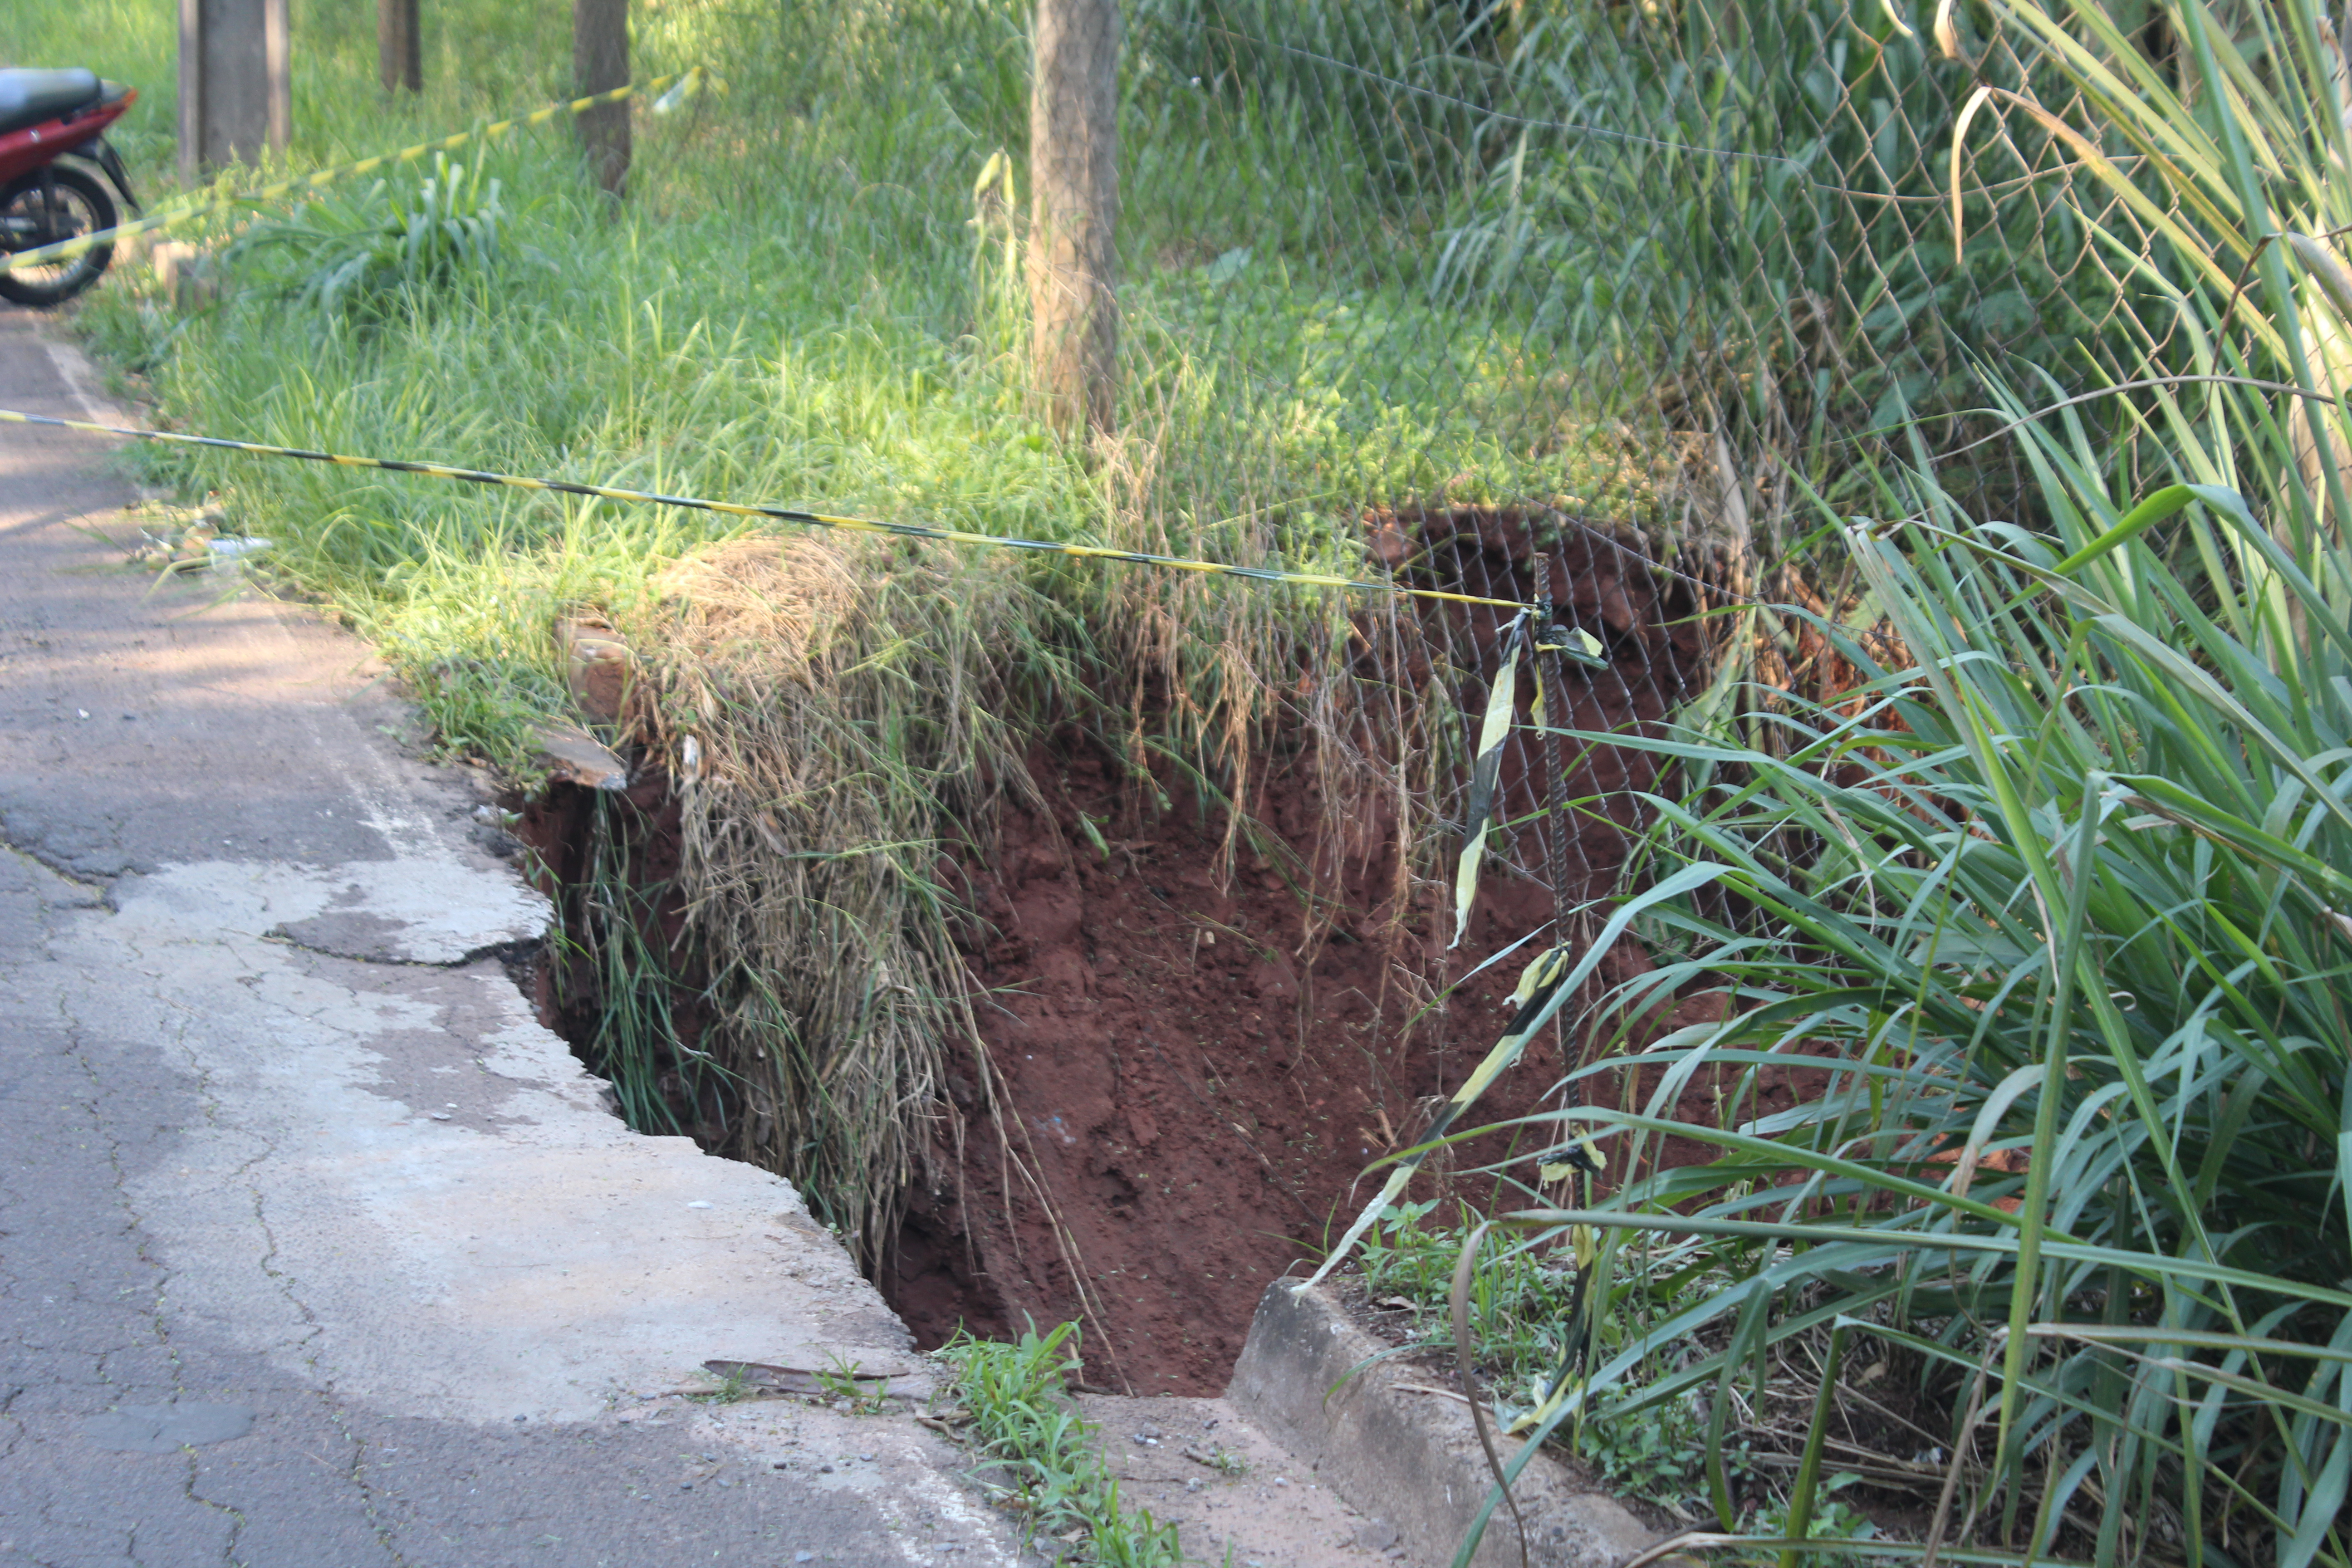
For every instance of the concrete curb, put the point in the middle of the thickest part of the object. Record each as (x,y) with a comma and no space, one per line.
(1410,1458)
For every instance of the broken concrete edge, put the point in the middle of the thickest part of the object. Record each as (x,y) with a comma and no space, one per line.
(1412,1458)
(354,938)
(530,1257)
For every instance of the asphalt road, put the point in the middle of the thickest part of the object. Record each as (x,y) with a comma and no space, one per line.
(314,1248)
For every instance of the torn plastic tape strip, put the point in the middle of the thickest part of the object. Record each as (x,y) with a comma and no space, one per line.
(66,249)
(774,513)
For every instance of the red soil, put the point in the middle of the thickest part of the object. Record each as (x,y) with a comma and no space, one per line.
(1196,1087)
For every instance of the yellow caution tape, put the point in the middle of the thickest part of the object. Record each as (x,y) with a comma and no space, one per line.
(200,205)
(776,513)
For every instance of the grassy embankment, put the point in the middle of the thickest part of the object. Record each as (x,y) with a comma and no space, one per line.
(794,306)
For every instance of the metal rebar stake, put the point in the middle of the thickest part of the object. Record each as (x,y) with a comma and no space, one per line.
(1554,718)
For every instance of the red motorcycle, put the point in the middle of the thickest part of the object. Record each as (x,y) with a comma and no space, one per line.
(46,116)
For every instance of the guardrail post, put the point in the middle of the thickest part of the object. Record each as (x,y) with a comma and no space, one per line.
(236,93)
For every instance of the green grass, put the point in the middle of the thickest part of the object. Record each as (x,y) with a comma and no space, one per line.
(1521,1308)
(478,62)
(1045,1459)
(2062,880)
(795,307)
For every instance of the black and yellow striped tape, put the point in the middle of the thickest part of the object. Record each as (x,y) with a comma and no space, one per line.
(774,513)
(199,206)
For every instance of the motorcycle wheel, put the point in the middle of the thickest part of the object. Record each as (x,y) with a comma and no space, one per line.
(83,207)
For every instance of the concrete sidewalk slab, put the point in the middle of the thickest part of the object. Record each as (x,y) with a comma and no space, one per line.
(473,1232)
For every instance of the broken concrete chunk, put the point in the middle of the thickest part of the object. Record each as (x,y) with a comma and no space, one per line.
(575,756)
(187,275)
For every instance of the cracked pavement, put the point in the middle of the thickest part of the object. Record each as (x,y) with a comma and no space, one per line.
(315,1248)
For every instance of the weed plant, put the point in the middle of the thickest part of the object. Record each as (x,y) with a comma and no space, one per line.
(1521,1312)
(358,257)
(1046,1457)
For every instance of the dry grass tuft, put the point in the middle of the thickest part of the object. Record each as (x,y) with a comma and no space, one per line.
(825,707)
(759,603)
(833,712)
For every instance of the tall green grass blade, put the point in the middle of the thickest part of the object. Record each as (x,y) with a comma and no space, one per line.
(1485,772)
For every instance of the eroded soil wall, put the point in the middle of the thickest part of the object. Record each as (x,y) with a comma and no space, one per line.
(1197,1083)
(1188,1081)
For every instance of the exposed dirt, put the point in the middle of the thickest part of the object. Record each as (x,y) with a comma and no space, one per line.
(1192,1080)
(1196,1085)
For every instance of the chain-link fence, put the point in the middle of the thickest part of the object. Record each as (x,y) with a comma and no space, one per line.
(1554,254)
(1652,289)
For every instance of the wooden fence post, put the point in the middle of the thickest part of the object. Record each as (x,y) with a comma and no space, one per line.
(1074,211)
(599,61)
(399,46)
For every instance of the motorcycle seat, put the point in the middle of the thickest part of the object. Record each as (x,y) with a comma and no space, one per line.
(29,97)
